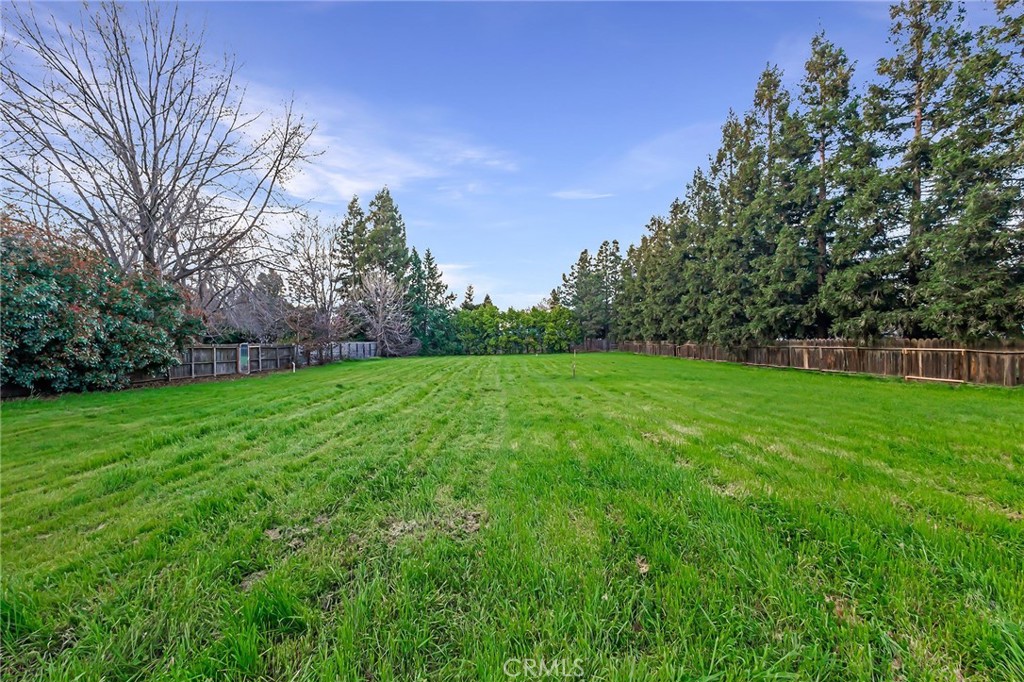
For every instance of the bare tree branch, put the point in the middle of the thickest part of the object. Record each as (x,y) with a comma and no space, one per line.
(381,304)
(143,147)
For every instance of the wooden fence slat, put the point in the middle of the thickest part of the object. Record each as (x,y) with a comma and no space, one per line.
(913,359)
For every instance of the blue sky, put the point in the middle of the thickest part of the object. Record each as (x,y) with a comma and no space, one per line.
(513,135)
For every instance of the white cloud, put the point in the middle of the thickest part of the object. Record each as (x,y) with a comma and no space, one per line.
(580,194)
(460,275)
(364,148)
(669,157)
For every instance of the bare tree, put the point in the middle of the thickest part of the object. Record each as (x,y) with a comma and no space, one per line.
(324,316)
(381,304)
(250,304)
(120,126)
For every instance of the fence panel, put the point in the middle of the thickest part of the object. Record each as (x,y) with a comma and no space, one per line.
(913,359)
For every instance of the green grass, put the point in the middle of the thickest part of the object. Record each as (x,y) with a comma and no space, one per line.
(432,518)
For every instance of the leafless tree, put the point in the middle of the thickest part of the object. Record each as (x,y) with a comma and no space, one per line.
(381,304)
(252,303)
(122,128)
(323,316)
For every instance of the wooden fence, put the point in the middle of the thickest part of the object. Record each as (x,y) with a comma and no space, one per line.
(222,360)
(923,360)
(594,345)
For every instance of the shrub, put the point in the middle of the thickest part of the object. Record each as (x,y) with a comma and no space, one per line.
(73,322)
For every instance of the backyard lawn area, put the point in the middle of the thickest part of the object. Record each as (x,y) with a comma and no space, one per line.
(496,518)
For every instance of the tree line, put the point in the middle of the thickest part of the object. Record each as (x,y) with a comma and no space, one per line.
(893,208)
(143,205)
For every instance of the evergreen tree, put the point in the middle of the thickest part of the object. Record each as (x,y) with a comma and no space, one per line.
(383,244)
(782,306)
(350,234)
(906,108)
(430,306)
(974,285)
(734,245)
(554,299)
(829,114)
(699,219)
(628,305)
(467,301)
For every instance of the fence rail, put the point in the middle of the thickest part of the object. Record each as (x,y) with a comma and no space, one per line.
(218,360)
(594,345)
(923,360)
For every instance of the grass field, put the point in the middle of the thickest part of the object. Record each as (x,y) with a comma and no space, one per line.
(433,518)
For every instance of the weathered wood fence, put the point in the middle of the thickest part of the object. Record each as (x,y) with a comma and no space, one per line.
(924,360)
(216,360)
(595,345)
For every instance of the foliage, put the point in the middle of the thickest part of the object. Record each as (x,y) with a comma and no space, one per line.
(72,321)
(590,287)
(380,242)
(430,305)
(486,330)
(891,211)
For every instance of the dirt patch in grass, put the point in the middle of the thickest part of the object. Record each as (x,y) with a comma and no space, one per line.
(845,609)
(732,489)
(294,538)
(1012,514)
(458,523)
(251,579)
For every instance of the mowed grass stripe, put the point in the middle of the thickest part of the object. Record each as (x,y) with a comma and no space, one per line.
(653,518)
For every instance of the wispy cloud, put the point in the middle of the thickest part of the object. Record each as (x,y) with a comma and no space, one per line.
(503,291)
(364,148)
(670,157)
(580,194)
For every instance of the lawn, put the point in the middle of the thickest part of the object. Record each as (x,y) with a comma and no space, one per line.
(494,518)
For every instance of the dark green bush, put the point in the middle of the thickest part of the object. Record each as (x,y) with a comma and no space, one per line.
(74,322)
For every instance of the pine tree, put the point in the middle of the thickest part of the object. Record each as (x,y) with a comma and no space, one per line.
(430,306)
(383,243)
(830,114)
(467,301)
(628,305)
(554,299)
(862,293)
(906,108)
(608,273)
(349,234)
(735,243)
(698,222)
(437,291)
(974,285)
(781,257)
